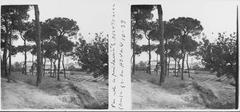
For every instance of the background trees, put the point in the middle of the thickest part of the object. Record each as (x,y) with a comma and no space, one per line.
(189,28)
(66,47)
(176,39)
(10,17)
(22,28)
(93,56)
(139,16)
(65,28)
(220,56)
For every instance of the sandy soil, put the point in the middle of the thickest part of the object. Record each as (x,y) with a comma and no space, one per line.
(150,96)
(80,91)
(18,94)
(202,91)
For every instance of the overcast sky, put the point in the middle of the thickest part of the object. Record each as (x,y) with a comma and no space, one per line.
(95,15)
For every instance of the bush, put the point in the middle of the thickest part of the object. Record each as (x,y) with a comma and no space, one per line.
(93,57)
(221,56)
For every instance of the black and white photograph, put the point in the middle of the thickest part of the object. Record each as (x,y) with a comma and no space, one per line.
(54,54)
(184,55)
(119,55)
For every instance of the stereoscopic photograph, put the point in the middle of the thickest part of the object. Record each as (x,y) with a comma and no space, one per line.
(184,55)
(163,55)
(55,55)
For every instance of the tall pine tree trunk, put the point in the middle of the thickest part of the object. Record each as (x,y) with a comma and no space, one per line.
(44,65)
(133,64)
(10,63)
(58,70)
(161,28)
(39,59)
(166,59)
(63,67)
(134,45)
(25,58)
(175,68)
(32,68)
(149,55)
(157,66)
(179,67)
(58,57)
(55,68)
(183,59)
(188,67)
(4,71)
(51,67)
(25,53)
(168,66)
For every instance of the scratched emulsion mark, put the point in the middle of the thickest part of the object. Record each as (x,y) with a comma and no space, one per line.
(113,59)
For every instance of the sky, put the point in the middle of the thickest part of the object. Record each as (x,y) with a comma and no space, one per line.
(95,15)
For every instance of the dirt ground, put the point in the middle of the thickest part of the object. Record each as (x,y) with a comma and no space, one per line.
(80,91)
(201,91)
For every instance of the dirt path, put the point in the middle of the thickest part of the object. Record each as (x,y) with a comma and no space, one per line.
(81,90)
(19,95)
(202,91)
(97,89)
(224,92)
(149,96)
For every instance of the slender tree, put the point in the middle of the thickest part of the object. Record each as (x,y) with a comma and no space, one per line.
(188,27)
(63,27)
(161,29)
(22,28)
(66,47)
(38,39)
(190,46)
(10,16)
(139,16)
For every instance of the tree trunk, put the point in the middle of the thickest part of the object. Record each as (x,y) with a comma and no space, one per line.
(179,67)
(175,68)
(183,59)
(25,58)
(10,63)
(149,54)
(58,71)
(188,66)
(4,71)
(134,44)
(51,67)
(166,57)
(161,28)
(55,68)
(32,65)
(44,65)
(168,66)
(157,66)
(39,59)
(63,67)
(133,65)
